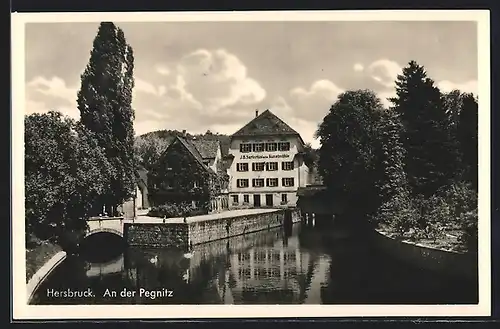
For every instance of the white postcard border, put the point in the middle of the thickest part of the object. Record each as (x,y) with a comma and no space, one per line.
(23,311)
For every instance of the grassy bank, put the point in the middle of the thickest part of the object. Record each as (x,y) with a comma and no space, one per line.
(37,256)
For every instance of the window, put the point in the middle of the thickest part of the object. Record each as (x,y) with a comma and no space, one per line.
(272,182)
(284,146)
(242,182)
(246,198)
(284,198)
(271,166)
(287,182)
(258,182)
(287,165)
(258,147)
(196,184)
(271,147)
(245,148)
(242,167)
(258,166)
(235,199)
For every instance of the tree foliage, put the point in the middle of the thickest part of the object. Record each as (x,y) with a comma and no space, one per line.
(348,137)
(467,135)
(104,101)
(66,172)
(430,160)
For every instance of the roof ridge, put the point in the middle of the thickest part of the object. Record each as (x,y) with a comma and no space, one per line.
(286,129)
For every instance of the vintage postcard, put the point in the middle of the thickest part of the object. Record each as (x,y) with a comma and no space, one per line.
(256,164)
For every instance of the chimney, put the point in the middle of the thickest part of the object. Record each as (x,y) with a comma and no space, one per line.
(256,113)
(184,133)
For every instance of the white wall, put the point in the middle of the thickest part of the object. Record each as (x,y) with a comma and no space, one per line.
(299,173)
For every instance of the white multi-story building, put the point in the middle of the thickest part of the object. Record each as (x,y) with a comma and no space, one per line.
(267,164)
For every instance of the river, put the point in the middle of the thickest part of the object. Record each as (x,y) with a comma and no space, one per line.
(305,265)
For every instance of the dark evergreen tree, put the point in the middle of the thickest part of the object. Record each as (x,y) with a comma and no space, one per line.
(430,160)
(347,160)
(393,177)
(467,133)
(452,104)
(104,101)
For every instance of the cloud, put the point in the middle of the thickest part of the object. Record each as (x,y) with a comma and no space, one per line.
(384,71)
(146,87)
(358,67)
(467,87)
(162,70)
(218,80)
(314,102)
(207,89)
(384,95)
(53,87)
(44,95)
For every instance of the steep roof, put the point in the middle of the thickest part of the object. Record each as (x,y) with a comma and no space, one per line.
(192,149)
(266,124)
(206,148)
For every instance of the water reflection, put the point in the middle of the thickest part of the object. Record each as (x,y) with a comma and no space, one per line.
(293,266)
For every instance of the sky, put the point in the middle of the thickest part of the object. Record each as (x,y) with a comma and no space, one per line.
(201,76)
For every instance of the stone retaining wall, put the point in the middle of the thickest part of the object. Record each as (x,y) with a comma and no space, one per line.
(454,264)
(200,232)
(156,235)
(185,235)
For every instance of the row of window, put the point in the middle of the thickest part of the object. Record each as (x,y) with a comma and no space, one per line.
(261,147)
(270,182)
(246,198)
(269,166)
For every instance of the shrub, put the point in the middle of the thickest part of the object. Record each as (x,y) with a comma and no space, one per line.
(461,199)
(399,214)
(171,210)
(469,236)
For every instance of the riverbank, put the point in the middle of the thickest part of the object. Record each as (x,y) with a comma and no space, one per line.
(437,256)
(38,256)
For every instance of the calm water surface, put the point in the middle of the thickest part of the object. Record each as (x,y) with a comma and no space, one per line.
(302,266)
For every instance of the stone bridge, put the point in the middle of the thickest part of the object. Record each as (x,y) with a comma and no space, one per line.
(112,225)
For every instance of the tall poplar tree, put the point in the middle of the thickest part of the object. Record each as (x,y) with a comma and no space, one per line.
(430,160)
(104,101)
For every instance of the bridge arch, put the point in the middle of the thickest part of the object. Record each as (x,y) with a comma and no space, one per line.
(104,230)
(113,225)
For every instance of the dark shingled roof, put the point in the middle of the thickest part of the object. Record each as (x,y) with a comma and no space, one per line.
(192,149)
(266,124)
(206,148)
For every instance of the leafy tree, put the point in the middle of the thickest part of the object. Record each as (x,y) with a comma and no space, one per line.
(467,133)
(430,160)
(310,155)
(148,150)
(104,101)
(66,172)
(347,157)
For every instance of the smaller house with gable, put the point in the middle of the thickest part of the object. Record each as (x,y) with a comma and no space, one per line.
(190,171)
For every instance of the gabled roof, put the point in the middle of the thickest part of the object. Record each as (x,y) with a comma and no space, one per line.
(192,149)
(266,124)
(206,148)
